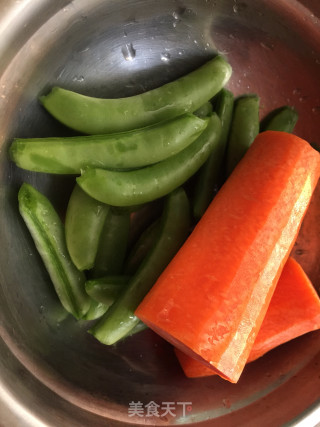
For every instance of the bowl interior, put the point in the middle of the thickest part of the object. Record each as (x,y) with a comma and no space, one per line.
(120,48)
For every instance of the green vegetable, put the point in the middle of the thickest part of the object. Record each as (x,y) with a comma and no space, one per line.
(114,151)
(120,319)
(47,231)
(113,244)
(244,128)
(147,184)
(281,119)
(85,218)
(98,116)
(210,174)
(142,247)
(106,289)
(204,111)
(96,310)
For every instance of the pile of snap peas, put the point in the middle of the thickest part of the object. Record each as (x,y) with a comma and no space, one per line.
(175,144)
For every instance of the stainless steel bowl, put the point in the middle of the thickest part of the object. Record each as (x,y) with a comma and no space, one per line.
(52,372)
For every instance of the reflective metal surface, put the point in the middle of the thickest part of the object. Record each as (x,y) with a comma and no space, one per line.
(52,373)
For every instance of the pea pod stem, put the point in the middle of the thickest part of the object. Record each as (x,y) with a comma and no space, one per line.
(98,116)
(123,150)
(244,128)
(85,218)
(152,182)
(120,319)
(210,174)
(47,231)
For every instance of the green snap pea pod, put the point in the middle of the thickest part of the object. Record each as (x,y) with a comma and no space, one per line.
(96,310)
(106,289)
(124,150)
(204,111)
(104,292)
(97,116)
(120,318)
(281,119)
(209,175)
(113,244)
(142,247)
(144,185)
(141,219)
(244,128)
(48,234)
(85,218)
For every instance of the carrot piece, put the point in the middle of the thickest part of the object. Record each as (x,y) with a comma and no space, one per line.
(212,298)
(294,310)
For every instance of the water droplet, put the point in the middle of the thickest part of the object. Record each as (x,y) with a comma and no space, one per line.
(267,46)
(41,308)
(226,403)
(177,18)
(300,251)
(303,98)
(125,34)
(176,15)
(296,91)
(316,109)
(60,73)
(238,7)
(128,52)
(318,61)
(165,57)
(78,79)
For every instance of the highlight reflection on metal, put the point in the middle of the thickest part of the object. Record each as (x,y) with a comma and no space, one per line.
(51,371)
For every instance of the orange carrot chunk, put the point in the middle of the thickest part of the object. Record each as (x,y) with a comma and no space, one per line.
(211,299)
(294,310)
